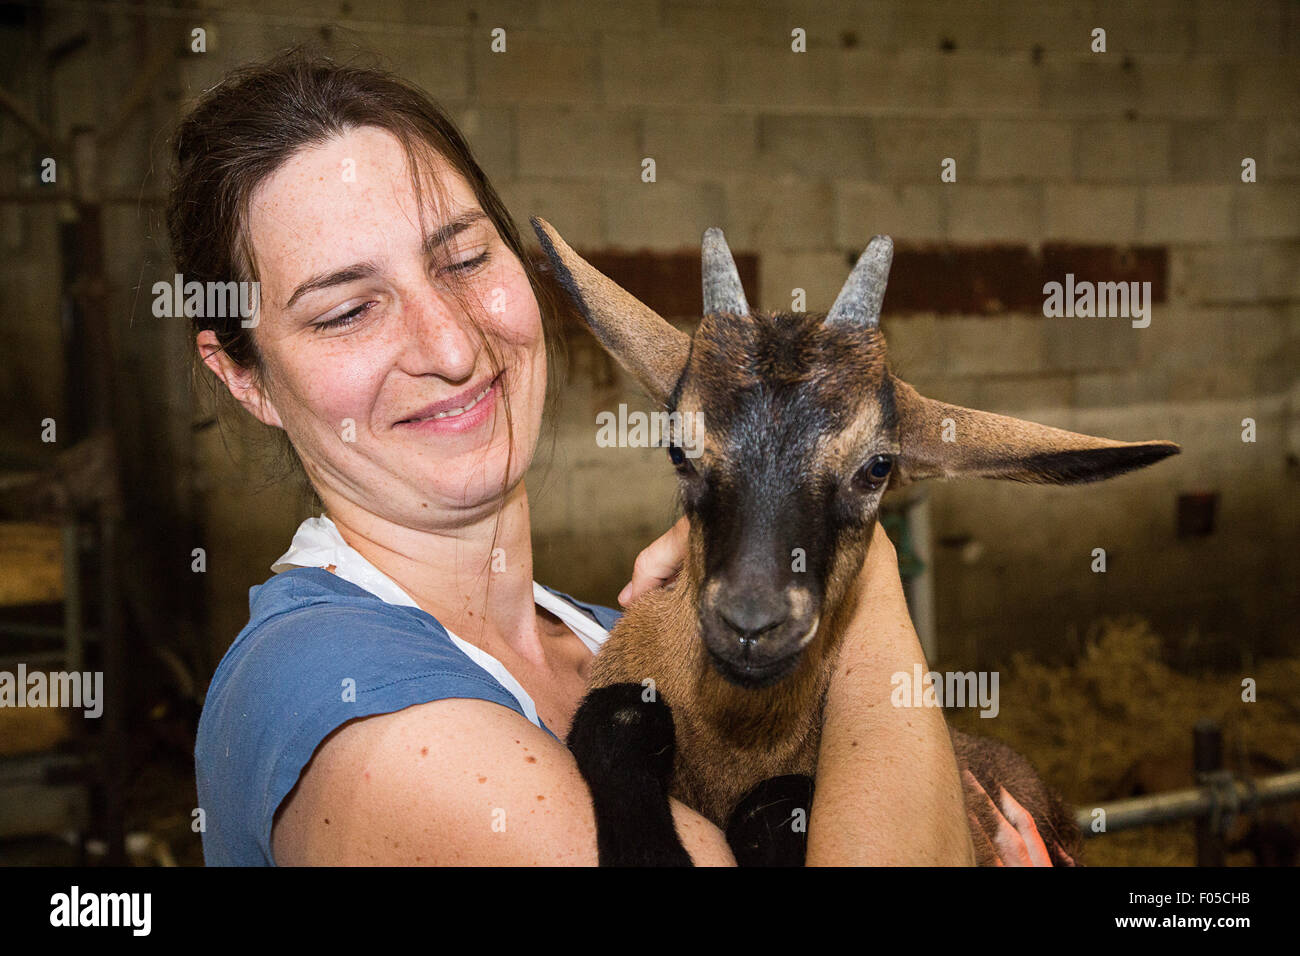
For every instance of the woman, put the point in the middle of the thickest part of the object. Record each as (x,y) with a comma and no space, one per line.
(403,688)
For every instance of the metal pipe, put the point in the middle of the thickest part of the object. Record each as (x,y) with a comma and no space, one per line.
(1192,803)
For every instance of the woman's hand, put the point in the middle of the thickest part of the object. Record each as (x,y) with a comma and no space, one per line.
(1016,840)
(658,564)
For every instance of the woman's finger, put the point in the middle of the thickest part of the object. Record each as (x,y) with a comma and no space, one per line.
(1006,839)
(1027,828)
(658,563)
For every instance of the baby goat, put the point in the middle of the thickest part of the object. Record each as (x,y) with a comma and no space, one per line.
(804,428)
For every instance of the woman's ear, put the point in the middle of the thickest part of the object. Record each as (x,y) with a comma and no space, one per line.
(238,379)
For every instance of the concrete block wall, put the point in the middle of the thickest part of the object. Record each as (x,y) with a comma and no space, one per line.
(802,157)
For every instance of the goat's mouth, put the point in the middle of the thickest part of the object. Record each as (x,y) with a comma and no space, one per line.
(754,676)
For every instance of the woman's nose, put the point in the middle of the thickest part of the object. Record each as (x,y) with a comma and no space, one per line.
(439,339)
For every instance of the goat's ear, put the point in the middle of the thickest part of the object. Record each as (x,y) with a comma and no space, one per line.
(937,440)
(651,349)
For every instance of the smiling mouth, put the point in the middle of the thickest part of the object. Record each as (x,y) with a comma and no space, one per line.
(456,412)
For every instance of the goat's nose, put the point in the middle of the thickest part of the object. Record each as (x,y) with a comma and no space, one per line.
(751,619)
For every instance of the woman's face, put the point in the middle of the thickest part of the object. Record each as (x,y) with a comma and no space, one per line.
(362,338)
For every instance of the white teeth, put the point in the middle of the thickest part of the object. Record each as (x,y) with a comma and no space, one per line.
(453,412)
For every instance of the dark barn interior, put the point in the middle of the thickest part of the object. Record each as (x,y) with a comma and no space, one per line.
(1144,629)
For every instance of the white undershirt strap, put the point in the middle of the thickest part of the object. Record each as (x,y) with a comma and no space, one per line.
(318,544)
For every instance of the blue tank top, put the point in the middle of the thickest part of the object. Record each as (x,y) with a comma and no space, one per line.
(318,651)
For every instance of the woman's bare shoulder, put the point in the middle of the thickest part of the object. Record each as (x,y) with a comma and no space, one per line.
(452,781)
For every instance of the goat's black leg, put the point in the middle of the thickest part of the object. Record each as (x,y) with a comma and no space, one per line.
(625,748)
(768,827)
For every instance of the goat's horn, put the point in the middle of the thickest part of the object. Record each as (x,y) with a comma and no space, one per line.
(722,289)
(859,301)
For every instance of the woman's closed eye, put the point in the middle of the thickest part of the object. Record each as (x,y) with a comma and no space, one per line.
(350,317)
(344,320)
(469,265)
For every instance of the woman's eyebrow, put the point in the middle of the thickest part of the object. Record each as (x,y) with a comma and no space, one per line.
(363,270)
(451,229)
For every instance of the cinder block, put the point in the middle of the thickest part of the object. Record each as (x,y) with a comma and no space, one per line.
(1164,28)
(491,135)
(574,207)
(913,342)
(1191,213)
(983,84)
(872,82)
(911,150)
(1240,272)
(849,25)
(438,63)
(1024,149)
(1187,88)
(966,26)
(598,16)
(1109,152)
(1283,152)
(1096,86)
(983,346)
(564,142)
(906,213)
(536,67)
(1197,338)
(1020,394)
(1212,151)
(510,14)
(1267,212)
(658,71)
(774,77)
(1119,388)
(714,145)
(816,146)
(661,215)
(1269,88)
(782,213)
(735,20)
(979,213)
(1218,381)
(1084,344)
(1055,28)
(1091,213)
(820,274)
(1242,31)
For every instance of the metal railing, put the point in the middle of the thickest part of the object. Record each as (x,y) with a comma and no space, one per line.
(1214,803)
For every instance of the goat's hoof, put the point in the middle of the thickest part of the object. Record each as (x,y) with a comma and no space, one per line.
(769,826)
(615,728)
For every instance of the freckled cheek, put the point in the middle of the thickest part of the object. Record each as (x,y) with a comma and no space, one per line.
(518,318)
(338,384)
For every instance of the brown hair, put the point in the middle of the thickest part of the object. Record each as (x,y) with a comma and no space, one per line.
(244,128)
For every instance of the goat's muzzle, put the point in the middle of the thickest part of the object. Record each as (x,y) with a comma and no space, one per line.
(756,636)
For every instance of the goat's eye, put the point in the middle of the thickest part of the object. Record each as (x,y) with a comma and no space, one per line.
(874,473)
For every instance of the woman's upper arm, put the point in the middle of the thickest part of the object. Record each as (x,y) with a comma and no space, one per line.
(450,782)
